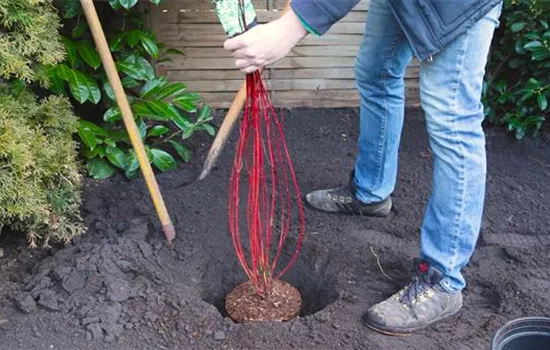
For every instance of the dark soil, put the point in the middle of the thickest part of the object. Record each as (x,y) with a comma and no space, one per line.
(121,287)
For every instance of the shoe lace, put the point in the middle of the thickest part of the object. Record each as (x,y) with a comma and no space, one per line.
(342,192)
(345,192)
(413,291)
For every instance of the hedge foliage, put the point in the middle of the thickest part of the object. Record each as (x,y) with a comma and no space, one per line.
(517,88)
(39,173)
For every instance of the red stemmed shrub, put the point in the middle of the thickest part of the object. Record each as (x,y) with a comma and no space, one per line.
(274,209)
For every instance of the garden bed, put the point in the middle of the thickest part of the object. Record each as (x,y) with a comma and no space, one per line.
(120,286)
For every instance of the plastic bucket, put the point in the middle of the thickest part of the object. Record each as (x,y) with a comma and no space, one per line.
(530,333)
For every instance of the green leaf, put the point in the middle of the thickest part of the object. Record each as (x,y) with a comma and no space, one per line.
(132,162)
(150,46)
(142,127)
(72,54)
(526,95)
(95,92)
(117,42)
(88,137)
(205,114)
(516,27)
(184,152)
(169,91)
(519,47)
(63,71)
(110,143)
(163,160)
(89,54)
(502,99)
(181,122)
(109,90)
(546,35)
(79,29)
(70,9)
(130,83)
(532,36)
(173,51)
(541,54)
(165,59)
(116,156)
(119,135)
(533,45)
(520,132)
(79,86)
(128,4)
(186,105)
(152,86)
(149,154)
(133,37)
(57,86)
(187,133)
(544,24)
(156,2)
(161,110)
(532,84)
(115,4)
(158,130)
(138,69)
(534,120)
(142,109)
(209,129)
(542,101)
(112,114)
(96,129)
(189,96)
(99,169)
(146,67)
(100,150)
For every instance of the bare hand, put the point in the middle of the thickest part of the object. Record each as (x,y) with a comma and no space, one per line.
(266,44)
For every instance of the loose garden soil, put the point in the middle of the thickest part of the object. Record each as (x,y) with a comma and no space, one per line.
(120,286)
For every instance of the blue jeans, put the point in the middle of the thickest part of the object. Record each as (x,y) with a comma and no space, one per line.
(450,93)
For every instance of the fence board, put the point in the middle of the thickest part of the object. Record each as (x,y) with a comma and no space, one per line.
(212,40)
(184,16)
(273,84)
(304,51)
(229,62)
(186,29)
(293,73)
(362,6)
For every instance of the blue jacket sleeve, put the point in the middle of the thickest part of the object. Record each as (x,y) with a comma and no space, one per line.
(320,15)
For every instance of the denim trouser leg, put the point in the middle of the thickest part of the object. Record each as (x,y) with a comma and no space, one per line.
(450,92)
(450,95)
(380,69)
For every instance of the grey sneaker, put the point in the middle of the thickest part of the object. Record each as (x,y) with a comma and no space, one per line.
(343,200)
(418,305)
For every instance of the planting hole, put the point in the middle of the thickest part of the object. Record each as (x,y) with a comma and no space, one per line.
(311,275)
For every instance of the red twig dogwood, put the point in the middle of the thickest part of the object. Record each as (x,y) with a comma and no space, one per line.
(274,209)
(273,197)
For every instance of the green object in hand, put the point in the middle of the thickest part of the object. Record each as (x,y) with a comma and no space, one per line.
(230,15)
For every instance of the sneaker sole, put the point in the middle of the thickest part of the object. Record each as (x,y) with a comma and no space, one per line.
(382,211)
(406,331)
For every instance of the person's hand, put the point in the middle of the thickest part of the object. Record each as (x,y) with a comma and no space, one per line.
(266,44)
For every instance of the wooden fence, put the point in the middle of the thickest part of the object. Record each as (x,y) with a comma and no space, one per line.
(317,73)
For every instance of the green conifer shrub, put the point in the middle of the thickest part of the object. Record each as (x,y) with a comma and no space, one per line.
(39,174)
